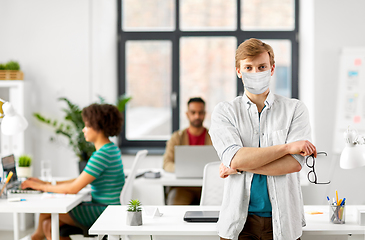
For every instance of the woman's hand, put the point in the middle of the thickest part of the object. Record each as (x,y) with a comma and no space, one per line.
(225,172)
(34,184)
(37,180)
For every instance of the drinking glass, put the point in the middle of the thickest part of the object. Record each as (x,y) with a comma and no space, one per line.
(46,171)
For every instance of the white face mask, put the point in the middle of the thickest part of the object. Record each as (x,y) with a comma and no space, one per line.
(256,83)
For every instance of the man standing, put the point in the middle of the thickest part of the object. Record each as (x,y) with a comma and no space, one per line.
(263,137)
(195,134)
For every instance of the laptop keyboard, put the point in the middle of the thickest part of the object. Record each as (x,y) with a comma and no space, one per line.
(16,188)
(32,191)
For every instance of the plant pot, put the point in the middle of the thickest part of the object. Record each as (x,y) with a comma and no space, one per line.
(24,172)
(11,75)
(134,218)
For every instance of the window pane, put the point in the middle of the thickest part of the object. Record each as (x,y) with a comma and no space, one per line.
(209,15)
(148,82)
(281,80)
(151,15)
(207,70)
(267,15)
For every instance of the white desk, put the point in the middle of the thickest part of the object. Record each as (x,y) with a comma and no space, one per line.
(112,222)
(144,188)
(320,224)
(42,203)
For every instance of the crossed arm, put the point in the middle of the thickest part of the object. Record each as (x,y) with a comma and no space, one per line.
(273,161)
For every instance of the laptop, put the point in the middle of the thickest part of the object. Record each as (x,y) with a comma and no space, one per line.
(8,164)
(14,185)
(191,160)
(201,216)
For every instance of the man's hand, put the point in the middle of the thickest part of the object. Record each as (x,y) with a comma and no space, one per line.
(304,148)
(225,172)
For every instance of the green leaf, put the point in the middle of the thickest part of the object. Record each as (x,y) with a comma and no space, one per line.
(24,160)
(122,101)
(101,99)
(134,206)
(12,65)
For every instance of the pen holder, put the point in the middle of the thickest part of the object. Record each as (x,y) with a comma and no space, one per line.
(337,214)
(4,194)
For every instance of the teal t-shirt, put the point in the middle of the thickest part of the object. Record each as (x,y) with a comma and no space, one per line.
(260,204)
(107,167)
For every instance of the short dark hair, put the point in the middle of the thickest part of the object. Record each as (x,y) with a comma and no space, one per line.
(103,117)
(196,99)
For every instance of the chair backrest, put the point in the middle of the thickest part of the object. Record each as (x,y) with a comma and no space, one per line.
(213,185)
(126,193)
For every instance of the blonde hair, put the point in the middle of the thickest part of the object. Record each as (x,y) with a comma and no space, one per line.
(252,48)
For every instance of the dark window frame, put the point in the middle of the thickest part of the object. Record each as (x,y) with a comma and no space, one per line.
(157,146)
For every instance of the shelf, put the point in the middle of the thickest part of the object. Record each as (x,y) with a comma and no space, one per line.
(11,83)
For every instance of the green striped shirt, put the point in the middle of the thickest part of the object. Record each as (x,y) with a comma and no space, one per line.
(107,167)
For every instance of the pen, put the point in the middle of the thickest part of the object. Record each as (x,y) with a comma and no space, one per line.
(343,202)
(328,200)
(16,199)
(331,208)
(337,198)
(6,182)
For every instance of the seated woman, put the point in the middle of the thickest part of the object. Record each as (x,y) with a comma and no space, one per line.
(104,172)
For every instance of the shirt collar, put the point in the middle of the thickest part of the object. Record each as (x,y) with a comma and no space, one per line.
(268,102)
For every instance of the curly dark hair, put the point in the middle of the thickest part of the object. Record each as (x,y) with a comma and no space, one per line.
(103,117)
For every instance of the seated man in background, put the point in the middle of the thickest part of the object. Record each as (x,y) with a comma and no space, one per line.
(195,134)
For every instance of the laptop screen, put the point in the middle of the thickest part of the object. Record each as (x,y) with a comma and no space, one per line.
(8,163)
(191,160)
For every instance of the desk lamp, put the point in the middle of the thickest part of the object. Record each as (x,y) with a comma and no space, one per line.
(353,155)
(12,122)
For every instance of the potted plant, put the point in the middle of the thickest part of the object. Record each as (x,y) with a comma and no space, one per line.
(134,213)
(11,71)
(73,125)
(24,166)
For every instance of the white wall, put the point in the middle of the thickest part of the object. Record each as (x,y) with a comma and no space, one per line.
(337,24)
(66,49)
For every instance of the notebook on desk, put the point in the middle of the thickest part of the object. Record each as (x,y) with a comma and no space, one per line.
(191,160)
(14,185)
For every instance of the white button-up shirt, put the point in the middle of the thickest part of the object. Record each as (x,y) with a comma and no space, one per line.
(236,124)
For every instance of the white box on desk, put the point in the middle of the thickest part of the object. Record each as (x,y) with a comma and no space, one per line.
(361,217)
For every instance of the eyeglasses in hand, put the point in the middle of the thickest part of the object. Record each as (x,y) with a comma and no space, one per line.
(312,176)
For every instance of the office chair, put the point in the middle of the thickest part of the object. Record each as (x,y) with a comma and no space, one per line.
(126,193)
(125,197)
(213,185)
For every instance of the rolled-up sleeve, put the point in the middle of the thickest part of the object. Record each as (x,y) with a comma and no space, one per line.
(300,128)
(224,134)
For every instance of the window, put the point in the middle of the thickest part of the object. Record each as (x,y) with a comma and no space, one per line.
(172,50)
